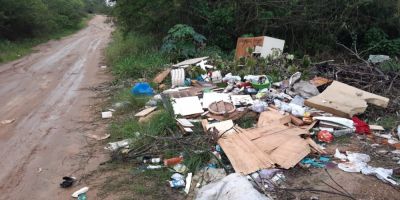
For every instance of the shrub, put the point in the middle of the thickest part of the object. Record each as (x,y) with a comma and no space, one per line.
(182,42)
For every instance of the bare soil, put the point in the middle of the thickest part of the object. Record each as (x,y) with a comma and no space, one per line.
(46,93)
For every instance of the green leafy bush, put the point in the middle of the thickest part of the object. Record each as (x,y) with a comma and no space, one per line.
(182,42)
(377,41)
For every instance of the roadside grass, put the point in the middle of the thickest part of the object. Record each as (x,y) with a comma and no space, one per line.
(134,56)
(12,50)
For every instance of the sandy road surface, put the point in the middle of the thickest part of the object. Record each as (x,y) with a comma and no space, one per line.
(45,93)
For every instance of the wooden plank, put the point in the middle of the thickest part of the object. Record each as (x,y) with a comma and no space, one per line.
(161,76)
(345,101)
(190,61)
(185,122)
(145,112)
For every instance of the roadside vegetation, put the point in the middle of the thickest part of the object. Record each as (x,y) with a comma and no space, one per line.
(27,23)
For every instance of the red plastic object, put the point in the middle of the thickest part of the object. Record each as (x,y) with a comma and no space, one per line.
(325,136)
(173,161)
(361,126)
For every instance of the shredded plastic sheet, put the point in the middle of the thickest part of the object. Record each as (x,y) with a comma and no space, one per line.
(357,162)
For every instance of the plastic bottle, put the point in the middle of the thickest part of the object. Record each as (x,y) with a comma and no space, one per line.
(173,161)
(80,191)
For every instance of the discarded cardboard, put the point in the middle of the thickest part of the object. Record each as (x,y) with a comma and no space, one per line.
(233,116)
(145,112)
(161,76)
(270,117)
(345,101)
(250,150)
(187,106)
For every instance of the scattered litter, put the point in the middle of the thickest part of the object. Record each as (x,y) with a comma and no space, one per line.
(67,181)
(80,191)
(178,77)
(234,186)
(7,121)
(305,89)
(106,115)
(325,136)
(153,167)
(180,168)
(142,88)
(188,182)
(177,184)
(103,67)
(173,161)
(321,162)
(374,59)
(357,162)
(259,106)
(98,137)
(113,146)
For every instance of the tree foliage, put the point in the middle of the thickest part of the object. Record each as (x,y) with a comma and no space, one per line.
(31,18)
(182,42)
(307,26)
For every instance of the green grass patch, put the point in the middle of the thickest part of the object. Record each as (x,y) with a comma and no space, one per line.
(12,50)
(125,102)
(134,56)
(128,128)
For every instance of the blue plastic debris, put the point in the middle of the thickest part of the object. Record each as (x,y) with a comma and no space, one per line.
(318,163)
(142,88)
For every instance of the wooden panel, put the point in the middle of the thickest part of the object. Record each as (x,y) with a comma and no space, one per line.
(145,112)
(244,43)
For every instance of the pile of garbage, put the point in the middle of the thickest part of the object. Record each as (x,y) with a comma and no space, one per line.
(294,121)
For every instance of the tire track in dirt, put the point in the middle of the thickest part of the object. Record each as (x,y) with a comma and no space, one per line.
(42,92)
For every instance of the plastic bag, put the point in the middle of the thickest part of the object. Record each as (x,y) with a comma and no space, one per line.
(142,88)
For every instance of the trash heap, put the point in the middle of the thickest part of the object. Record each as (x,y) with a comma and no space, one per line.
(293,121)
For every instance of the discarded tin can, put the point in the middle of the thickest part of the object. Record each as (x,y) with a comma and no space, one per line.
(177,183)
(173,161)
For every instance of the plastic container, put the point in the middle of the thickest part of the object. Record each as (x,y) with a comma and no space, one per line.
(260,86)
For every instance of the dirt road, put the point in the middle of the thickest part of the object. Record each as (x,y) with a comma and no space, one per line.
(45,94)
